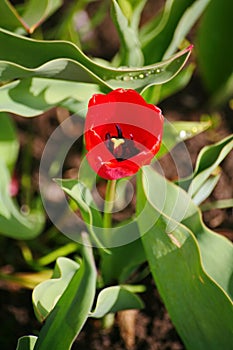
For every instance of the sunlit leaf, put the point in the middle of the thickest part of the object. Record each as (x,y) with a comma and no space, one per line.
(208,160)
(31,97)
(130,50)
(26,343)
(189,264)
(175,132)
(46,295)
(158,33)
(64,60)
(72,309)
(190,16)
(113,299)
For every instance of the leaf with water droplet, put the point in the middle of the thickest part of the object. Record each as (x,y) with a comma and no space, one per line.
(176,132)
(64,61)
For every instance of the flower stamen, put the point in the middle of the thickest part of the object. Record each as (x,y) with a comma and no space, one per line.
(121,148)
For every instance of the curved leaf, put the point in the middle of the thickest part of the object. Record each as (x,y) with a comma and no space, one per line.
(158,33)
(113,299)
(187,269)
(131,54)
(83,197)
(175,132)
(46,295)
(69,63)
(72,309)
(26,343)
(190,16)
(208,160)
(31,97)
(34,14)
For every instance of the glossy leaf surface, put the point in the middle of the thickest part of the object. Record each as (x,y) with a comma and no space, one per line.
(189,264)
(113,299)
(72,309)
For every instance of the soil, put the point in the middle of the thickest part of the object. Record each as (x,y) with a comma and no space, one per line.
(151,328)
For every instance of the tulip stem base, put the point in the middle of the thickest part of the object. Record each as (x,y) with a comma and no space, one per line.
(109,202)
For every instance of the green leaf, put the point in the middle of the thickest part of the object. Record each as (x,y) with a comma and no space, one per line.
(34,14)
(9,18)
(220,204)
(124,259)
(46,295)
(90,213)
(31,97)
(190,16)
(132,10)
(26,343)
(9,145)
(38,11)
(72,309)
(158,33)
(12,223)
(214,51)
(187,269)
(206,189)
(175,132)
(64,60)
(113,299)
(131,54)
(156,94)
(208,160)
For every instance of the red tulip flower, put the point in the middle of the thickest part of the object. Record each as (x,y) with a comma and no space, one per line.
(122,133)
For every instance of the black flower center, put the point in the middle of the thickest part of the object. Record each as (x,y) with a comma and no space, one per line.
(120,147)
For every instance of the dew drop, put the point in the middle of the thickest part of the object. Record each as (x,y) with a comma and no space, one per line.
(182,134)
(141,76)
(126,78)
(158,70)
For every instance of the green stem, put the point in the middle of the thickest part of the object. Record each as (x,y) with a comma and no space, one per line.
(108,205)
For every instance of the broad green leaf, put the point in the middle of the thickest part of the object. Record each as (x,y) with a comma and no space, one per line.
(214,51)
(187,269)
(175,132)
(26,343)
(9,145)
(113,299)
(64,60)
(216,251)
(130,51)
(46,295)
(72,309)
(158,33)
(190,16)
(208,160)
(12,223)
(31,97)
